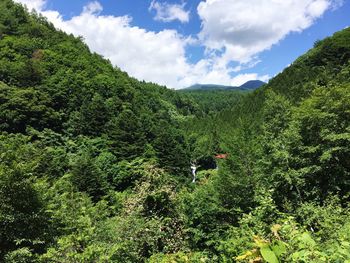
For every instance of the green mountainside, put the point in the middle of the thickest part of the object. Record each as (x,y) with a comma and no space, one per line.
(95,166)
(286,179)
(209,102)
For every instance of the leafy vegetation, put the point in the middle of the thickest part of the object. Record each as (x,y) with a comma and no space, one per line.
(210,102)
(95,165)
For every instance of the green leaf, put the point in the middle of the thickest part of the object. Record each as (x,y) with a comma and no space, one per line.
(279,248)
(307,240)
(268,255)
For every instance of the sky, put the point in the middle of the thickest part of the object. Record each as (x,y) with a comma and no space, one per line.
(179,43)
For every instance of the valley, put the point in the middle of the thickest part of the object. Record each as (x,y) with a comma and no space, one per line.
(97,166)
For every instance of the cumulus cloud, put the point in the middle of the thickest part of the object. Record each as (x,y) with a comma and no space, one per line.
(152,56)
(245,28)
(210,71)
(232,30)
(169,12)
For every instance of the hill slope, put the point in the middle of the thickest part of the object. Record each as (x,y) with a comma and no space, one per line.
(71,122)
(212,101)
(54,82)
(287,167)
(95,165)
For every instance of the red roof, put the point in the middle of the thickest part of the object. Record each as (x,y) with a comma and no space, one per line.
(221,156)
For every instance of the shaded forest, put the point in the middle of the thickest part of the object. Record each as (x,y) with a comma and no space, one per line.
(95,166)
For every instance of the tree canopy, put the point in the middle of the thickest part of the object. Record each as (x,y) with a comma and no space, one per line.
(95,165)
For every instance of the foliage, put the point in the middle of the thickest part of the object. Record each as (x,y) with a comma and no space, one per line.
(95,165)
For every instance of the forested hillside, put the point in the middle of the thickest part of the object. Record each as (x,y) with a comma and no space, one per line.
(282,194)
(211,102)
(95,165)
(79,138)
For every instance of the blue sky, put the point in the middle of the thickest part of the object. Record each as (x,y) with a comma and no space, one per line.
(182,42)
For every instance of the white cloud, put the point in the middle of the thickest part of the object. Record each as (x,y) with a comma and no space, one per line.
(245,28)
(152,56)
(337,3)
(93,8)
(33,4)
(212,71)
(170,12)
(232,30)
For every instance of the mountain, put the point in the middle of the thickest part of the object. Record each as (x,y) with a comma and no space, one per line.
(95,166)
(71,120)
(288,148)
(207,87)
(252,85)
(249,85)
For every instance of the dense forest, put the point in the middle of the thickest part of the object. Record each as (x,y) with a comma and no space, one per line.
(95,166)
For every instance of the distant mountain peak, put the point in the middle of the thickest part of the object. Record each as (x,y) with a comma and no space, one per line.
(252,84)
(249,85)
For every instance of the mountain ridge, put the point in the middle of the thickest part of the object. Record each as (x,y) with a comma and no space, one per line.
(96,166)
(249,85)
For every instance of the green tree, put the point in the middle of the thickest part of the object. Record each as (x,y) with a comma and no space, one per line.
(126,135)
